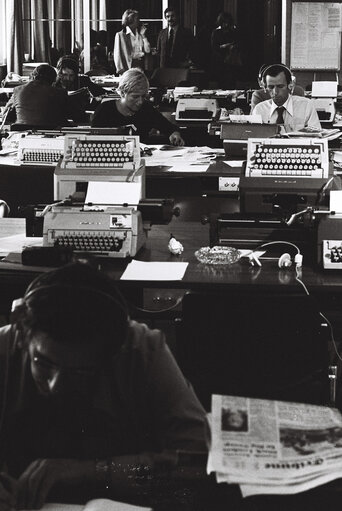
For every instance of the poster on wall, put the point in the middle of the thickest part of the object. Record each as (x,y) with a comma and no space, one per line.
(316,35)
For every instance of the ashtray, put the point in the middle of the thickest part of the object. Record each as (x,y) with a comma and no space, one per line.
(217,255)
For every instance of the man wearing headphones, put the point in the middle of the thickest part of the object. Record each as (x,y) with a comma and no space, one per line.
(91,403)
(262,94)
(292,112)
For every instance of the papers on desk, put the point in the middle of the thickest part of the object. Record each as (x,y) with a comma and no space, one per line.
(95,505)
(274,447)
(17,242)
(182,159)
(140,270)
(234,163)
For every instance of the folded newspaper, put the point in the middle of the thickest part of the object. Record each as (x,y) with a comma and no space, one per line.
(274,447)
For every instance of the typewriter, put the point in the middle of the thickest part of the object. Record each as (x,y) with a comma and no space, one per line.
(284,174)
(99,184)
(40,149)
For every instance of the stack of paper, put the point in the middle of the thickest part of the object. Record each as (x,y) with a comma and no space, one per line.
(274,447)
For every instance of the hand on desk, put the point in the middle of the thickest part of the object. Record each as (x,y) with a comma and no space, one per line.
(176,139)
(42,475)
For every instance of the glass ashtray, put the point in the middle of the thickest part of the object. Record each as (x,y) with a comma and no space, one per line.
(217,255)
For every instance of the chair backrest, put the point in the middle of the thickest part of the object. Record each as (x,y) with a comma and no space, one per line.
(169,77)
(266,346)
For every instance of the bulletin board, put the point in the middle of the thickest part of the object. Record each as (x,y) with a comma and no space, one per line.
(316,35)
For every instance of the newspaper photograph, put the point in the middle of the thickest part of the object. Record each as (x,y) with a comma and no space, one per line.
(274,444)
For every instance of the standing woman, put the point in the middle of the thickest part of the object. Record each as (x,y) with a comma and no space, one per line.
(226,59)
(130,44)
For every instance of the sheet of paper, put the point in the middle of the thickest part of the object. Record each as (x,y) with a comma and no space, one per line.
(17,242)
(140,270)
(178,157)
(189,167)
(253,119)
(102,192)
(324,89)
(234,163)
(94,505)
(336,201)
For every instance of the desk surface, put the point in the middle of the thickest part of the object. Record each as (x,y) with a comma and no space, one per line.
(238,276)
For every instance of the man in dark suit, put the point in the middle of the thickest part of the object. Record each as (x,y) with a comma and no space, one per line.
(175,43)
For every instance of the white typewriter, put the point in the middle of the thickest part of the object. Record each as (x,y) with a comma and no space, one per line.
(196,109)
(110,176)
(295,158)
(40,149)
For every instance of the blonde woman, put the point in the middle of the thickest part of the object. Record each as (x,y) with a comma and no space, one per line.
(130,44)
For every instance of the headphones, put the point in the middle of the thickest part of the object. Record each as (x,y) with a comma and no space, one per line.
(285,261)
(265,68)
(20,303)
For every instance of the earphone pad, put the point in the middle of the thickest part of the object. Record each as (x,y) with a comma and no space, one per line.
(285,261)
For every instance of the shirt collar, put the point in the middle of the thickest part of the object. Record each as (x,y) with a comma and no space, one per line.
(288,105)
(129,31)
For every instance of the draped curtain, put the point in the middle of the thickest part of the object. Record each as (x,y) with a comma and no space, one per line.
(15,48)
(63,28)
(41,34)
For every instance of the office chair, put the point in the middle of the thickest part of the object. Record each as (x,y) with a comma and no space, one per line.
(169,77)
(256,345)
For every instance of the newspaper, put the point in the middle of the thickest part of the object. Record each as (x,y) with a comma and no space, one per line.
(273,446)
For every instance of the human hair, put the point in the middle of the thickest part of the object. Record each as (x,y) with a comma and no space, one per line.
(170,9)
(68,61)
(44,73)
(274,69)
(128,17)
(224,17)
(131,79)
(75,304)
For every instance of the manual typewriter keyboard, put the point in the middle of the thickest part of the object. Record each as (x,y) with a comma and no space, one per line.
(286,161)
(90,243)
(101,154)
(41,155)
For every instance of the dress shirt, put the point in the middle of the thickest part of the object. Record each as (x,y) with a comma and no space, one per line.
(140,44)
(299,112)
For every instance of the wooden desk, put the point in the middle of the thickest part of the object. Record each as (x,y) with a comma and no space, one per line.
(197,194)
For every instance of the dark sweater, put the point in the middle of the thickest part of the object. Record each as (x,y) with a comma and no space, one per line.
(107,116)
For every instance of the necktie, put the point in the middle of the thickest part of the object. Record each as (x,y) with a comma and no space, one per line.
(170,42)
(280,118)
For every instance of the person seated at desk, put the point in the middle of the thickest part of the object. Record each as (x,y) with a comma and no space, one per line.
(262,94)
(37,103)
(92,402)
(293,112)
(70,80)
(132,108)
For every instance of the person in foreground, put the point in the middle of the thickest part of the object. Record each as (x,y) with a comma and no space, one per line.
(91,403)
(133,108)
(293,112)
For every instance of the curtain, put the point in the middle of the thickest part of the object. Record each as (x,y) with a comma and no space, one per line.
(15,49)
(41,32)
(63,28)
